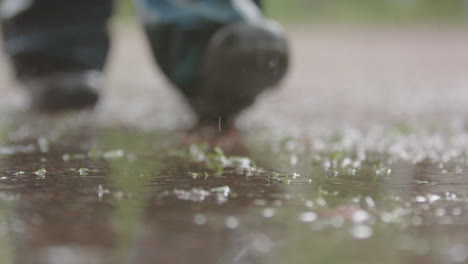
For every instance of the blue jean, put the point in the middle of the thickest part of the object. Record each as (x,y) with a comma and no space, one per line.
(74,34)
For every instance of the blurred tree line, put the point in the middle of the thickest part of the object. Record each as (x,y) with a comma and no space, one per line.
(357,10)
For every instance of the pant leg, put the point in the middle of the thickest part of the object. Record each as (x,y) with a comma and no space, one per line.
(42,36)
(179,31)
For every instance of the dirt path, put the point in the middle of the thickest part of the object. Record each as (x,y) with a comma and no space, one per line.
(338,74)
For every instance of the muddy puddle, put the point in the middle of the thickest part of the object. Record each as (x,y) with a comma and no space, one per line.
(72,191)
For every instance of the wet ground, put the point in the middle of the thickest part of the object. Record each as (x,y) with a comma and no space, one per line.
(360,157)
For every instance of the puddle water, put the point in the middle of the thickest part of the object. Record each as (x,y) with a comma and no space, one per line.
(77,193)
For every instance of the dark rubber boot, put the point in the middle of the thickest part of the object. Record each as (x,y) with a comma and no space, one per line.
(64,90)
(57,49)
(241,61)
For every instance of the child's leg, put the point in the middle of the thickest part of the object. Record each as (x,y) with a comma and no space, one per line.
(71,32)
(48,37)
(180,30)
(182,35)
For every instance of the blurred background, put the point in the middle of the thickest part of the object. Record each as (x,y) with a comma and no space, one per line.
(371,11)
(352,60)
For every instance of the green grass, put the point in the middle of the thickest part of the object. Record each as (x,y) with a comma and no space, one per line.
(367,10)
(125,8)
(355,10)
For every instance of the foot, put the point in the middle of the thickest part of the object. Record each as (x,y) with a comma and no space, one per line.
(242,60)
(64,90)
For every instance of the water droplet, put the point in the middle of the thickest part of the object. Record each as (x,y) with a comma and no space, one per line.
(277,203)
(83,171)
(269,212)
(308,217)
(262,243)
(309,204)
(41,173)
(293,160)
(232,222)
(421,199)
(360,216)
(362,232)
(370,202)
(433,198)
(200,219)
(260,202)
(440,212)
(113,154)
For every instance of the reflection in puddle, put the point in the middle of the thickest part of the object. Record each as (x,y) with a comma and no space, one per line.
(78,193)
